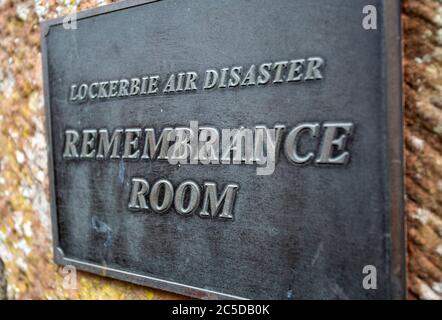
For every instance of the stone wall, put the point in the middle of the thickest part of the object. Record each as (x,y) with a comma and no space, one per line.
(423,138)
(25,237)
(3,284)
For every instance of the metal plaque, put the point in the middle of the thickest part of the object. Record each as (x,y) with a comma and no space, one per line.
(229,149)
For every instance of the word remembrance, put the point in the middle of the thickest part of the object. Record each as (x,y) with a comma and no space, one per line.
(218,158)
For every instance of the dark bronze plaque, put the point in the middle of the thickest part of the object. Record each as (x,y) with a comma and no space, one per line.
(230,149)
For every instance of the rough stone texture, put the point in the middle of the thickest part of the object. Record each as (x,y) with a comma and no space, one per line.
(2,281)
(25,237)
(423,139)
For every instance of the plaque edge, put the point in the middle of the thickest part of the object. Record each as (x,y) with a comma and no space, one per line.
(147,282)
(88,13)
(393,83)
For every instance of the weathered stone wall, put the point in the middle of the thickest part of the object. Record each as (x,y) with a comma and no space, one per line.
(25,237)
(423,137)
(2,281)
